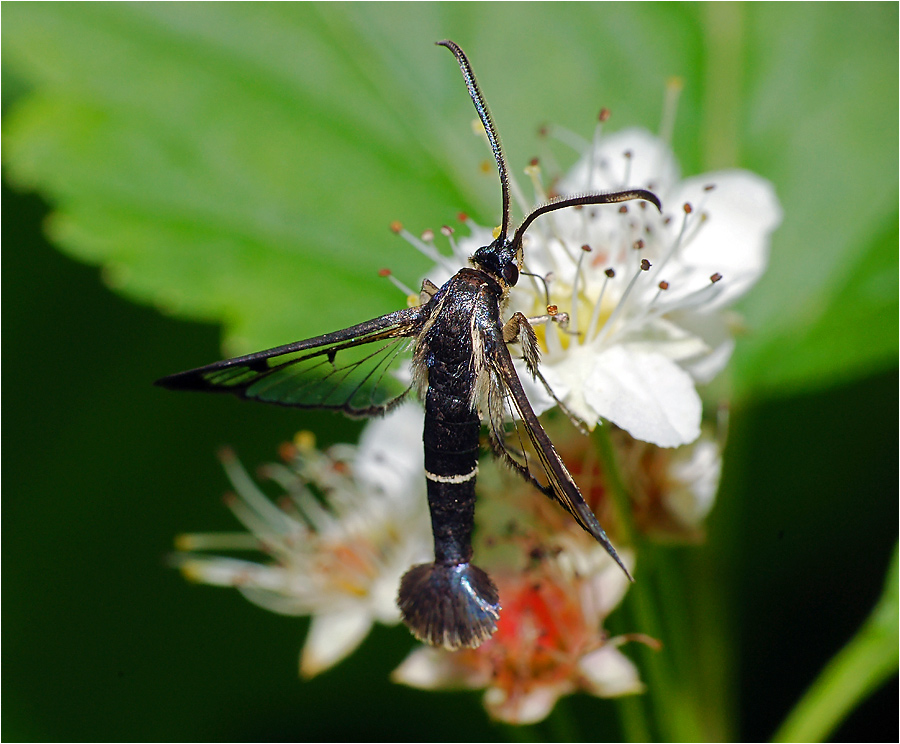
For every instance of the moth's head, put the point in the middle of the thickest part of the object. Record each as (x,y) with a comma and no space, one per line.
(501,260)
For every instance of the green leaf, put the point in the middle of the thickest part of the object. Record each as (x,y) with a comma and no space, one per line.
(242,163)
(820,120)
(859,669)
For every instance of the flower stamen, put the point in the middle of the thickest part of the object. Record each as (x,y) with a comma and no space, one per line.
(598,305)
(426,249)
(613,316)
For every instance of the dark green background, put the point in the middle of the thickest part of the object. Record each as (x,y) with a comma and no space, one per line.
(103,642)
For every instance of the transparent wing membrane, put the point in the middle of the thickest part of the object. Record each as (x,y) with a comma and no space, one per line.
(360,371)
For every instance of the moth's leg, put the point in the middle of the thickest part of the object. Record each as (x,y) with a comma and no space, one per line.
(428,291)
(576,422)
(555,317)
(517,328)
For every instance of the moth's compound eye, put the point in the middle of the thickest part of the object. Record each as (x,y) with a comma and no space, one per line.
(511,274)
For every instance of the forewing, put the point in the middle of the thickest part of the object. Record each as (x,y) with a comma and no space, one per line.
(353,370)
(560,484)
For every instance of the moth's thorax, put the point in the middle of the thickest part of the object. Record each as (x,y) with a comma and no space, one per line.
(449,349)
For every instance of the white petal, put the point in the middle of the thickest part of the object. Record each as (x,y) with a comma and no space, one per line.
(331,638)
(435,669)
(609,673)
(713,328)
(646,394)
(390,452)
(734,241)
(566,375)
(604,583)
(611,583)
(695,476)
(537,394)
(667,338)
(525,708)
(651,164)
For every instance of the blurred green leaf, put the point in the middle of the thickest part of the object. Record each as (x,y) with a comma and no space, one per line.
(820,121)
(240,163)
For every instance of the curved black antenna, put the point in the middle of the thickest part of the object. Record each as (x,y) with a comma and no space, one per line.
(574,201)
(486,120)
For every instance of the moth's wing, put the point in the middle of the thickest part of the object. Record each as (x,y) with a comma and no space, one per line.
(352,370)
(560,484)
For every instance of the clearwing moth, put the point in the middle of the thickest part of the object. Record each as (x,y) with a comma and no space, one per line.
(462,371)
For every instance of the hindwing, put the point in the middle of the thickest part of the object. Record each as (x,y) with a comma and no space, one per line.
(505,389)
(357,370)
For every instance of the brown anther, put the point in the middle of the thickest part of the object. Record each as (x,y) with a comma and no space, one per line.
(446,231)
(226,454)
(715,277)
(428,235)
(610,273)
(645,265)
(396,227)
(384,272)
(534,162)
(667,220)
(638,244)
(543,131)
(627,154)
(604,115)
(287,451)
(687,208)
(709,187)
(485,167)
(586,248)
(623,209)
(462,217)
(663,285)
(552,310)
(578,207)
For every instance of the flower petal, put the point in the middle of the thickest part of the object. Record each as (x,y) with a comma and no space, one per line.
(331,638)
(435,669)
(694,473)
(646,394)
(390,452)
(609,673)
(525,707)
(734,241)
(651,163)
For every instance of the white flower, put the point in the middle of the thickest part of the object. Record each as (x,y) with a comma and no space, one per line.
(549,640)
(350,523)
(645,293)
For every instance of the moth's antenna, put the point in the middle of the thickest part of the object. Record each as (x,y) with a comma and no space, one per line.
(485,116)
(574,201)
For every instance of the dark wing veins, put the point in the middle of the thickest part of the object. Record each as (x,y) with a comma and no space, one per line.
(505,387)
(349,370)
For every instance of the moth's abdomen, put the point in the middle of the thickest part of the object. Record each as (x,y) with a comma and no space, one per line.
(450,602)
(454,606)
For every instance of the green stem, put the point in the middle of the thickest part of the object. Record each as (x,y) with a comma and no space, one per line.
(674,714)
(633,719)
(857,670)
